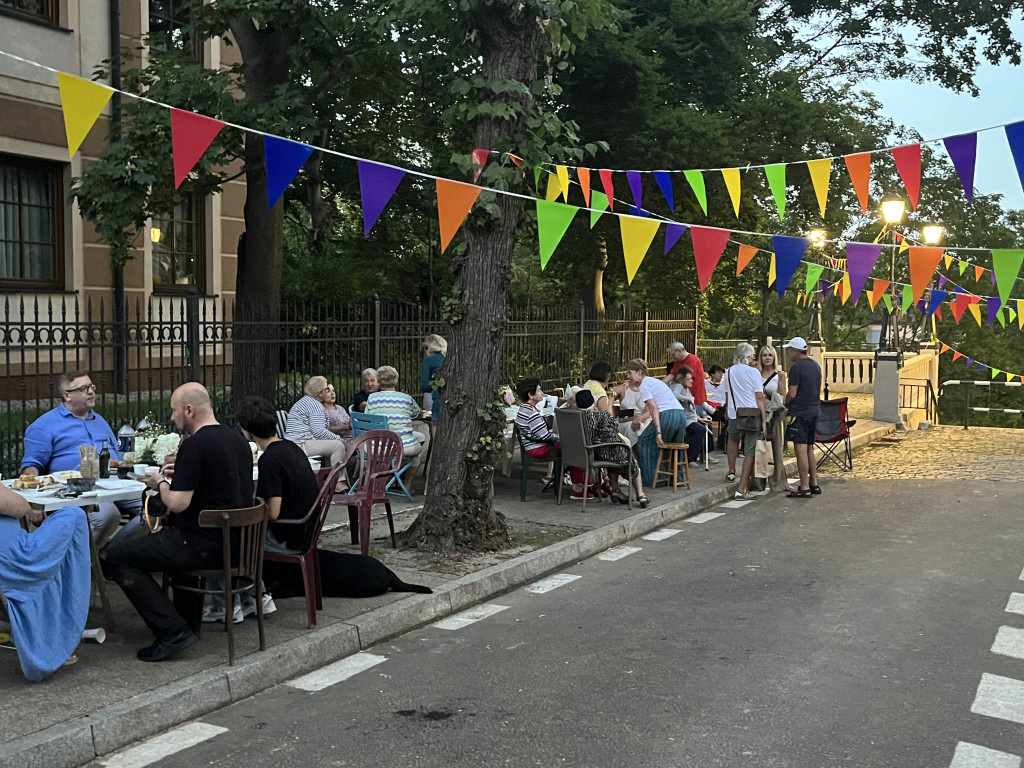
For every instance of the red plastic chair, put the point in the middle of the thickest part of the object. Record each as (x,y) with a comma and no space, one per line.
(380,456)
(309,559)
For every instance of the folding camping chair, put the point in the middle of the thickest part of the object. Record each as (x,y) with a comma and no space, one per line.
(832,436)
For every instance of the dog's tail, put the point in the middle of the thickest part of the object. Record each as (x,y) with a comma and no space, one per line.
(397,585)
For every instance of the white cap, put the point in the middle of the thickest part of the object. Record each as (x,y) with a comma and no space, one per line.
(797,342)
(573,390)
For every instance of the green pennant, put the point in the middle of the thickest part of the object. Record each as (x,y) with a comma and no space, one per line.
(962,265)
(552,221)
(777,182)
(1012,313)
(995,372)
(598,200)
(813,274)
(696,181)
(536,177)
(1006,263)
(908,297)
(1001,317)
(887,298)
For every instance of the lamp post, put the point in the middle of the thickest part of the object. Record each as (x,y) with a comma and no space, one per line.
(818,238)
(931,234)
(892,209)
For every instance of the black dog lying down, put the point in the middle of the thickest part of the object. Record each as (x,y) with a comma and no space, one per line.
(341,575)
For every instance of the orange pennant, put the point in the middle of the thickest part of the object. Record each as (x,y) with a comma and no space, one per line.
(859,168)
(923,263)
(747,252)
(454,202)
(978,272)
(583,174)
(878,288)
(944,349)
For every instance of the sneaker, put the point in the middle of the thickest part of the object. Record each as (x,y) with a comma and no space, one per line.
(712,460)
(212,615)
(268,604)
(248,607)
(161,649)
(745,496)
(694,464)
(578,495)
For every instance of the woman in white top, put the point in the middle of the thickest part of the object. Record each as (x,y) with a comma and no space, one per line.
(666,415)
(630,399)
(774,382)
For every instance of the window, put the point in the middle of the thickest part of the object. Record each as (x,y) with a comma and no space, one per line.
(170,26)
(177,239)
(31,223)
(42,10)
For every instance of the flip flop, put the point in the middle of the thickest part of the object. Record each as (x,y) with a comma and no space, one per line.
(799,493)
(816,490)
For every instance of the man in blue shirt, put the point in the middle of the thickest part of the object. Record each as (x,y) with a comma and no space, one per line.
(52,440)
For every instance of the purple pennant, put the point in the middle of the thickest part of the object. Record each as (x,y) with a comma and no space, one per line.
(936,300)
(377,183)
(942,280)
(672,234)
(921,306)
(860,260)
(993,303)
(992,276)
(825,285)
(970,361)
(636,187)
(1015,138)
(664,180)
(789,251)
(283,160)
(963,151)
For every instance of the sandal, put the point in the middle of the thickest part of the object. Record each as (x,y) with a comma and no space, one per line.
(619,497)
(799,493)
(731,477)
(643,500)
(816,490)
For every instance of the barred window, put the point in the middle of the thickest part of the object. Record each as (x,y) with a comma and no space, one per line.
(171,27)
(178,238)
(43,10)
(31,223)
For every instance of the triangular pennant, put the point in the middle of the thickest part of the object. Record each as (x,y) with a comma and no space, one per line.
(963,151)
(938,313)
(908,298)
(708,245)
(664,180)
(637,234)
(788,253)
(191,134)
(608,186)
(1012,313)
(672,234)
(480,157)
(942,280)
(943,349)
(982,367)
(860,260)
(935,301)
(947,259)
(554,190)
(455,199)
(992,277)
(563,181)
(1015,138)
(978,272)
(1006,264)
(975,311)
(377,183)
(598,205)
(821,171)
(813,275)
(878,289)
(1020,314)
(995,372)
(537,170)
(956,355)
(923,262)
(283,160)
(747,252)
(696,181)
(636,187)
(908,163)
(845,283)
(961,265)
(583,176)
(958,305)
(887,300)
(82,100)
(859,168)
(1009,376)
(904,245)
(516,161)
(776,175)
(970,362)
(732,183)
(992,304)
(552,221)
(771,271)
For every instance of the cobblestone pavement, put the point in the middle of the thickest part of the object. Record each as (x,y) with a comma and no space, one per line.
(941,453)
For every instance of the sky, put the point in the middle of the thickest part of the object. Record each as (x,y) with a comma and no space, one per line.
(936,112)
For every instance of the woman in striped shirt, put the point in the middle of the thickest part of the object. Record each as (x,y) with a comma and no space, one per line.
(307,426)
(538,439)
(399,408)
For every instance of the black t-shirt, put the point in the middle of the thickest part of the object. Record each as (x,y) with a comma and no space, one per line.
(285,472)
(806,375)
(359,399)
(216,464)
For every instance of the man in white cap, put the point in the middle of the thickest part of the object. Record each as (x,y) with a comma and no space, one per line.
(803,401)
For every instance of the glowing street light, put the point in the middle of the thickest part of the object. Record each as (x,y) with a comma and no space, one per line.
(932,234)
(818,237)
(893,207)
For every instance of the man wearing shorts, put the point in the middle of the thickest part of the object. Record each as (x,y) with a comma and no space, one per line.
(803,401)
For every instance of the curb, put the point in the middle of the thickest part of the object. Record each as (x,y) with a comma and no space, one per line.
(80,741)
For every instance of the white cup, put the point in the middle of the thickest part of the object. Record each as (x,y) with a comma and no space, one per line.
(97,635)
(152,470)
(139,469)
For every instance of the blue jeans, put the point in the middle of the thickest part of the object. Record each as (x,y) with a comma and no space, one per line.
(272,545)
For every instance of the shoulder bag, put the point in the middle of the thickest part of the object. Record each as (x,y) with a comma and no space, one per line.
(747,419)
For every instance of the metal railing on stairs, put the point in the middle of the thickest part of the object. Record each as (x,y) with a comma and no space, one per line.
(919,394)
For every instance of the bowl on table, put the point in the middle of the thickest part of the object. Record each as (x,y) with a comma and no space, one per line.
(81,484)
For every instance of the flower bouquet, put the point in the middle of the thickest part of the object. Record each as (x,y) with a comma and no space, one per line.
(153,443)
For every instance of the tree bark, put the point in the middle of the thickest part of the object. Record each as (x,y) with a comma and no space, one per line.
(459,510)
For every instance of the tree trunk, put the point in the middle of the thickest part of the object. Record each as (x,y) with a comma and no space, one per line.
(459,511)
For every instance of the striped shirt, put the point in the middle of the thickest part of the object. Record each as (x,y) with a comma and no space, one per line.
(532,428)
(307,420)
(399,408)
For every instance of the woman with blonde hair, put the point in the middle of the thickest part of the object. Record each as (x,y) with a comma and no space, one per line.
(400,409)
(666,414)
(436,348)
(774,389)
(307,425)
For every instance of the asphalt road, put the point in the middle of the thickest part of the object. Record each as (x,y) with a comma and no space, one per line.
(852,629)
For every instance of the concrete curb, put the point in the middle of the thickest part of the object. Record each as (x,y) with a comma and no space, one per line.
(79,741)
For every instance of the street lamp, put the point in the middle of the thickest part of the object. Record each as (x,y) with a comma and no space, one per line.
(818,237)
(932,234)
(893,207)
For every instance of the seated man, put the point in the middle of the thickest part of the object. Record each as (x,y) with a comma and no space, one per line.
(52,440)
(369,383)
(213,470)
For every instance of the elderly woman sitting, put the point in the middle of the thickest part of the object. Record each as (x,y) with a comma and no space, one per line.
(308,426)
(399,408)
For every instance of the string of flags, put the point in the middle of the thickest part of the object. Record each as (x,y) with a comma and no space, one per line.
(995,373)
(192,134)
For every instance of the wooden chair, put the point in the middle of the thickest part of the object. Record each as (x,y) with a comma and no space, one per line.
(380,453)
(668,456)
(242,567)
(528,461)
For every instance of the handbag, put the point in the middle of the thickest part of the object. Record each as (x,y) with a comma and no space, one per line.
(747,419)
(764,462)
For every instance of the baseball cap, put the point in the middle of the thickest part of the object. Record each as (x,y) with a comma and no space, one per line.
(797,342)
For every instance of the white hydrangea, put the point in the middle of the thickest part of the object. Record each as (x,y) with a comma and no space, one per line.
(164,445)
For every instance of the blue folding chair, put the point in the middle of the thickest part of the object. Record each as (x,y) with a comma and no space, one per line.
(365,422)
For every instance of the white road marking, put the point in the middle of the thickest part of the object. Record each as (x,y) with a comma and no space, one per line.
(336,672)
(464,619)
(703,517)
(551,582)
(1009,642)
(972,756)
(1016,603)
(736,503)
(661,534)
(617,553)
(1001,697)
(164,745)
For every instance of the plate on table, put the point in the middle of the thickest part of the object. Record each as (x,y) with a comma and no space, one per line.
(117,484)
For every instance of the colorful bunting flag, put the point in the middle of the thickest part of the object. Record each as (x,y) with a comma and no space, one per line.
(553,220)
(1015,138)
(978,272)
(747,252)
(923,262)
(995,372)
(1020,314)
(975,311)
(598,206)
(959,304)
(935,300)
(455,200)
(377,184)
(771,271)
(789,251)
(583,176)
(847,290)
(963,151)
(878,289)
(859,168)
(283,159)
(993,303)
(480,157)
(821,171)
(732,183)
(860,260)
(554,190)
(708,245)
(696,181)
(191,134)
(813,275)
(606,184)
(956,355)
(563,180)
(908,298)
(776,175)
(672,234)
(943,348)
(637,234)
(887,300)
(636,187)
(664,180)
(908,164)
(961,265)
(82,101)
(1006,264)
(947,259)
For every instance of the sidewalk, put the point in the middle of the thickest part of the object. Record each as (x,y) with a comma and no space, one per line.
(109,699)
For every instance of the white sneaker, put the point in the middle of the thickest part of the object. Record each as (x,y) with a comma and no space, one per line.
(712,460)
(268,604)
(213,614)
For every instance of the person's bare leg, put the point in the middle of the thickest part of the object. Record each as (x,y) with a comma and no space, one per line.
(638,486)
(812,467)
(802,465)
(732,451)
(746,471)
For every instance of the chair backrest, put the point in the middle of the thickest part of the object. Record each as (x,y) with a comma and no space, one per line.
(572,435)
(282,423)
(313,521)
(380,455)
(832,420)
(364,422)
(245,533)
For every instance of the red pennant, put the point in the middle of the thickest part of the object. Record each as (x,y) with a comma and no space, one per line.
(956,355)
(480,157)
(583,174)
(708,245)
(609,189)
(958,306)
(859,168)
(938,312)
(517,161)
(191,134)
(908,163)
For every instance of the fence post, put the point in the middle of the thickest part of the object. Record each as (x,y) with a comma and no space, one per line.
(647,330)
(967,402)
(582,314)
(192,332)
(376,331)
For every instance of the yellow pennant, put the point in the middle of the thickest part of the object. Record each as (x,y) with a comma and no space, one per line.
(83,100)
(771,272)
(637,234)
(732,183)
(821,172)
(948,259)
(847,288)
(563,180)
(1020,314)
(1009,377)
(975,310)
(871,298)
(904,246)
(554,188)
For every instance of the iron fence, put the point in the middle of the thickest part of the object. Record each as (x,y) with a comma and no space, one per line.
(139,358)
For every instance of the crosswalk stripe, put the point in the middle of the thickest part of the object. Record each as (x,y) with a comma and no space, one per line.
(336,672)
(1001,697)
(1009,642)
(1016,603)
(164,745)
(973,756)
(661,534)
(617,553)
(551,582)
(703,517)
(473,615)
